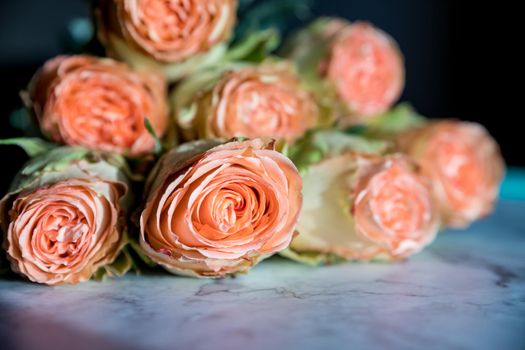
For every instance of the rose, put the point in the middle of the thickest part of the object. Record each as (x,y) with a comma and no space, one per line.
(249,101)
(361,206)
(168,31)
(464,163)
(212,210)
(99,104)
(63,221)
(154,34)
(364,208)
(367,69)
(55,236)
(359,63)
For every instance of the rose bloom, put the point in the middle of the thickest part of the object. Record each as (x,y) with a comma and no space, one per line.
(64,222)
(167,31)
(252,101)
(365,66)
(98,103)
(214,210)
(364,207)
(464,163)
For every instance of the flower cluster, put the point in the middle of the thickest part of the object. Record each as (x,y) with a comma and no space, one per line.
(204,153)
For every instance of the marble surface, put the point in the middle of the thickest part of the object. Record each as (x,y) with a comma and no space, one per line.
(467,291)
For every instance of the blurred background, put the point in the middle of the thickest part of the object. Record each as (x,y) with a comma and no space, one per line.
(460,62)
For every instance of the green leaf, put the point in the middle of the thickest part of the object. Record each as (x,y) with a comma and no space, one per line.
(149,127)
(55,159)
(398,119)
(33,146)
(255,47)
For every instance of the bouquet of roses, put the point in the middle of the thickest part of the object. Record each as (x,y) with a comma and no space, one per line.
(204,149)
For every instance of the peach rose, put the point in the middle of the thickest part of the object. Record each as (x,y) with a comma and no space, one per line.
(98,103)
(357,70)
(167,31)
(250,101)
(367,69)
(464,163)
(214,210)
(65,221)
(360,206)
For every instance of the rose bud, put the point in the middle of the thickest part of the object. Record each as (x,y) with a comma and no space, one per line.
(174,37)
(355,64)
(360,206)
(99,104)
(465,166)
(244,101)
(213,209)
(63,219)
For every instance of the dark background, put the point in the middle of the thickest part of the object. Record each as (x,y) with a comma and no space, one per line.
(461,60)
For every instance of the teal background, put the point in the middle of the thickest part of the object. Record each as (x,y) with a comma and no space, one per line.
(513,186)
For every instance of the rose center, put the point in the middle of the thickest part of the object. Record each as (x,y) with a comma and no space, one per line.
(227,211)
(230,210)
(228,205)
(62,232)
(260,110)
(397,204)
(102,109)
(165,22)
(163,18)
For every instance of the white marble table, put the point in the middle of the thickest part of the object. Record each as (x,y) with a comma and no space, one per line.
(467,291)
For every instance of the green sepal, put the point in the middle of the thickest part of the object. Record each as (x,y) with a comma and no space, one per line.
(33,146)
(135,246)
(122,265)
(57,160)
(62,163)
(172,71)
(158,144)
(311,258)
(322,143)
(54,160)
